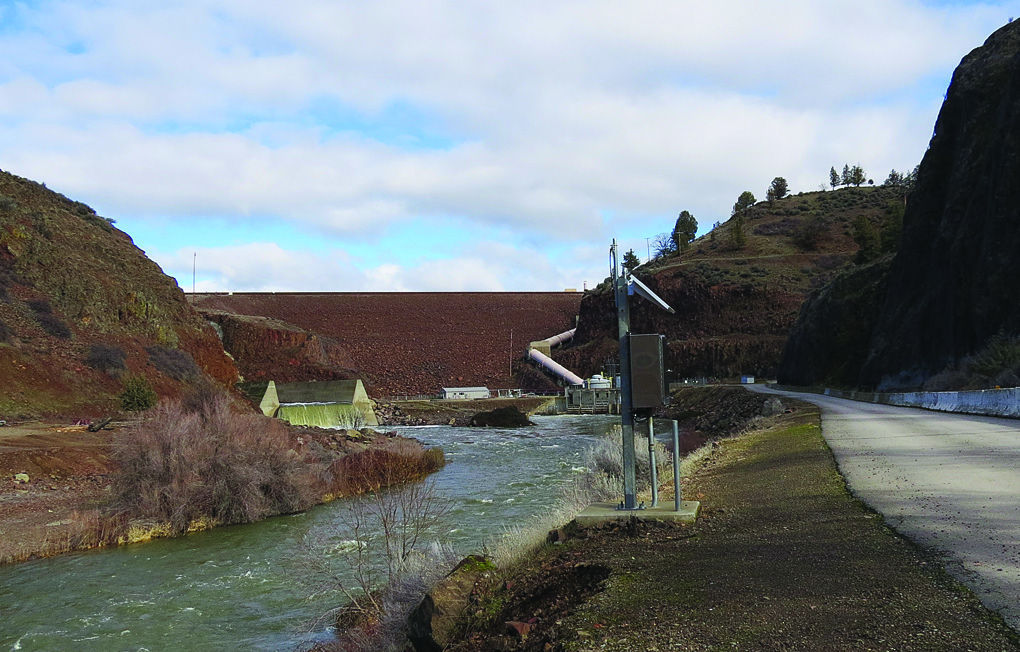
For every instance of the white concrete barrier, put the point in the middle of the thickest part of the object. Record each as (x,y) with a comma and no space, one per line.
(990,402)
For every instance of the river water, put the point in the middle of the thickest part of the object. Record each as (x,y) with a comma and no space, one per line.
(235,587)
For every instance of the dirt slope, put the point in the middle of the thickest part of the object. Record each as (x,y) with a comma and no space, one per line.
(70,282)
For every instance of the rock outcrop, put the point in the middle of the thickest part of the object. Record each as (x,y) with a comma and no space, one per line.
(953,282)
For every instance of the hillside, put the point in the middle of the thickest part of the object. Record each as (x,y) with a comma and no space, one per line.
(735,305)
(82,308)
(950,293)
(399,343)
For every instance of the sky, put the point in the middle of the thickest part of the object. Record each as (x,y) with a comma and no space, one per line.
(432,145)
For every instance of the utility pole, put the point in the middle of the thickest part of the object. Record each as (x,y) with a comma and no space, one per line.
(624,285)
(648,249)
(626,410)
(510,375)
(194,267)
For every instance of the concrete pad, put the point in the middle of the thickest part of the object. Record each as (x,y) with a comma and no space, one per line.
(608,512)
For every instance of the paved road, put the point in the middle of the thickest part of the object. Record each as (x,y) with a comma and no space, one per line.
(947,481)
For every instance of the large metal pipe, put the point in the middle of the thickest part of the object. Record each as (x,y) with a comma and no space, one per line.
(555,367)
(565,336)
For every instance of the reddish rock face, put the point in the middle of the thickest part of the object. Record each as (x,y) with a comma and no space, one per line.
(398,343)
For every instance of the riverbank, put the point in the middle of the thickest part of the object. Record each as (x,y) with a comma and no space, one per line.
(782,557)
(60,508)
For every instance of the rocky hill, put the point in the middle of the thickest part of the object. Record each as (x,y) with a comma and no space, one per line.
(398,343)
(82,309)
(735,303)
(952,287)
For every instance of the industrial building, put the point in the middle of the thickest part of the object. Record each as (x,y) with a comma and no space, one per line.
(465,392)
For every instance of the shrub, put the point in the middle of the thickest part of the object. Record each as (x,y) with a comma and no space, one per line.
(999,354)
(606,457)
(138,394)
(811,233)
(7,203)
(181,466)
(5,332)
(105,358)
(396,462)
(49,322)
(175,363)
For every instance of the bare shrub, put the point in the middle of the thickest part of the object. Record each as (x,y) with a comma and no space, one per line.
(378,558)
(175,363)
(233,468)
(606,457)
(106,358)
(947,379)
(395,462)
(352,419)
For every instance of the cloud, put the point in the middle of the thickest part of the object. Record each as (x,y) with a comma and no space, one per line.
(568,121)
(269,267)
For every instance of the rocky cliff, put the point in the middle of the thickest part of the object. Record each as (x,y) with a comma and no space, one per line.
(81,308)
(952,286)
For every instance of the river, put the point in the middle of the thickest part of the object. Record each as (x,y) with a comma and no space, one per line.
(235,587)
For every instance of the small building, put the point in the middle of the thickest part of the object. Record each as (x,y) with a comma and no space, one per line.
(465,392)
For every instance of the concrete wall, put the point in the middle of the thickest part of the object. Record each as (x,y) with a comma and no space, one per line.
(989,402)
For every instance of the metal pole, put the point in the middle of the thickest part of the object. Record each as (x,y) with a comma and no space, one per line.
(194,267)
(651,462)
(676,467)
(626,409)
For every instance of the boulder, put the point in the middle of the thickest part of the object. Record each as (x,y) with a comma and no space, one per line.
(21,478)
(504,417)
(432,624)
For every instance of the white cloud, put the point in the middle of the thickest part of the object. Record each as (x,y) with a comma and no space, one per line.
(564,120)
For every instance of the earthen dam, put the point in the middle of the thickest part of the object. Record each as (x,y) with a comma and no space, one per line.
(399,343)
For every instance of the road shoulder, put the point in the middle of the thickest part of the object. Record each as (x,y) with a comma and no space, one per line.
(783,557)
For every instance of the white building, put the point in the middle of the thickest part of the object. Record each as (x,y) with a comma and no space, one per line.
(465,392)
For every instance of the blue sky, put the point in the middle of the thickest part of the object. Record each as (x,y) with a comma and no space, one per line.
(441,145)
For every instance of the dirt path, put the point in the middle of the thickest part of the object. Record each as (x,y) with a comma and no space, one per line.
(67,468)
(782,558)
